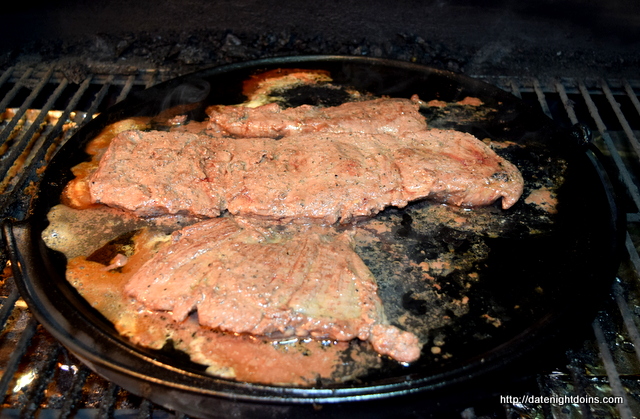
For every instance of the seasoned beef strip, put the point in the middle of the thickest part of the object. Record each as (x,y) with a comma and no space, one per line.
(323,177)
(155,173)
(385,115)
(299,281)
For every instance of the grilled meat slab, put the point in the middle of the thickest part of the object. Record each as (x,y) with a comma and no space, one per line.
(321,177)
(297,281)
(385,115)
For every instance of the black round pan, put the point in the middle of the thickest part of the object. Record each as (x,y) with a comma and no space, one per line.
(534,289)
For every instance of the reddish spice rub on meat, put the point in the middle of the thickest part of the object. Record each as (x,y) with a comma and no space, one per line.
(386,115)
(302,281)
(321,177)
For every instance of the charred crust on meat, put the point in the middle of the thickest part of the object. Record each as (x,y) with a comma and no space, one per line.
(500,176)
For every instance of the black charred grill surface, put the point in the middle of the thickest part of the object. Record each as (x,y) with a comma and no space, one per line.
(41,107)
(515,37)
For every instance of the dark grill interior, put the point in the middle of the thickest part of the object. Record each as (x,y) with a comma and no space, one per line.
(44,100)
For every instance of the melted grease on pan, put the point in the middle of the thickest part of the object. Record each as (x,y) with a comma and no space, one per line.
(241,357)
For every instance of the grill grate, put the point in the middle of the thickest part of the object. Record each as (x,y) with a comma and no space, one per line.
(41,109)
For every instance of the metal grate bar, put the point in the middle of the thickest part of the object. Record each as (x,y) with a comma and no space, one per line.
(99,98)
(545,391)
(541,98)
(23,109)
(615,383)
(37,391)
(43,112)
(633,254)
(74,394)
(14,91)
(126,89)
(611,148)
(630,326)
(17,354)
(621,118)
(515,88)
(109,402)
(99,76)
(5,76)
(144,411)
(41,150)
(580,382)
(152,79)
(623,308)
(632,96)
(7,306)
(568,105)
(576,371)
(24,139)
(627,317)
